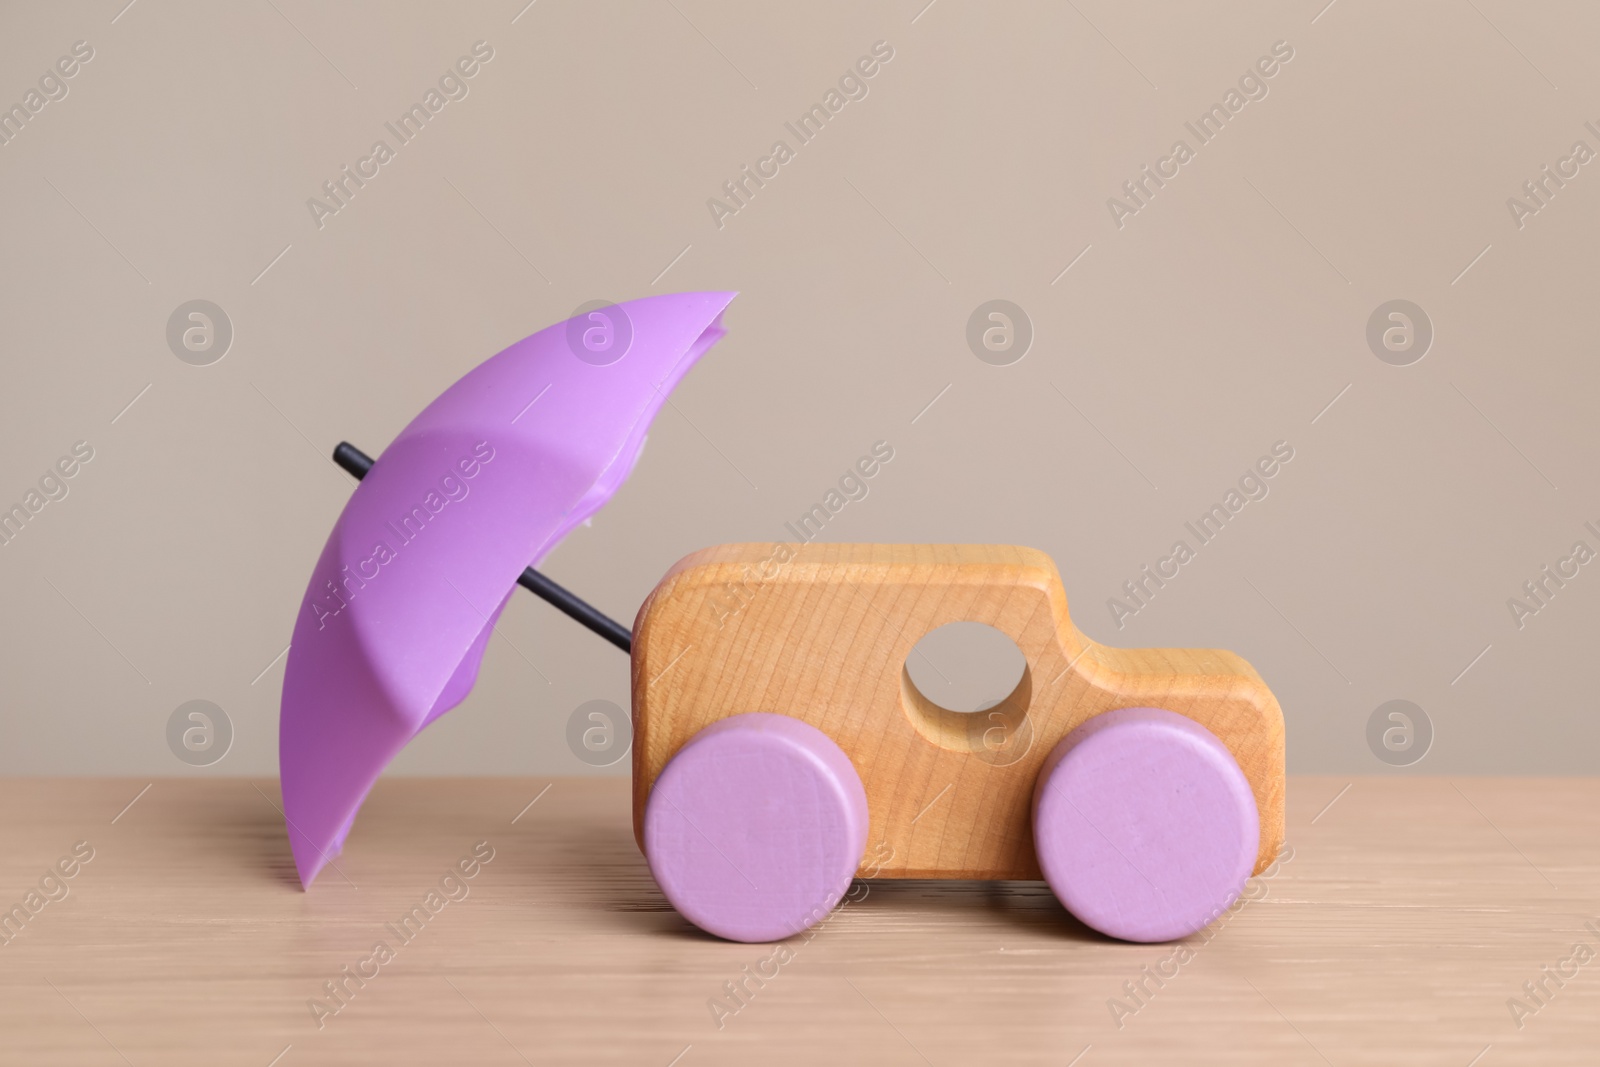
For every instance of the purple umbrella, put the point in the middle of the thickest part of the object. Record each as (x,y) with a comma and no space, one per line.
(482,484)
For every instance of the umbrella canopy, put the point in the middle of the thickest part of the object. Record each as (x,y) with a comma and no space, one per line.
(484,482)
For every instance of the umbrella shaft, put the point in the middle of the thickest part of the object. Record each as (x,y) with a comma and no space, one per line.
(358,463)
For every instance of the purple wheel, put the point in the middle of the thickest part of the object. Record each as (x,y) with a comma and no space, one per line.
(1145,826)
(755,828)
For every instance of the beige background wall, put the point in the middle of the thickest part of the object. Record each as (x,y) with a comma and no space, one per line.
(1222,317)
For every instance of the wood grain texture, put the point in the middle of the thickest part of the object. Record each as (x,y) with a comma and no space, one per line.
(822,633)
(1407,915)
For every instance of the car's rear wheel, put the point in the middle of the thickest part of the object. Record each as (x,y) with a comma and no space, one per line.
(1145,826)
(755,827)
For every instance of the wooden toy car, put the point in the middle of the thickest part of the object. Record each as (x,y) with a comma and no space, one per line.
(777,734)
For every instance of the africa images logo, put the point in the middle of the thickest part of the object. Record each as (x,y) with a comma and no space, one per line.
(1253,486)
(1252,85)
(452,487)
(852,86)
(342,188)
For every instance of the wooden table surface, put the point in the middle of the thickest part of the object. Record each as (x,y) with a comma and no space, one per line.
(1409,914)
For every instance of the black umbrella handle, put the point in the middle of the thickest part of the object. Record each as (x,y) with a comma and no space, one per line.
(358,463)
